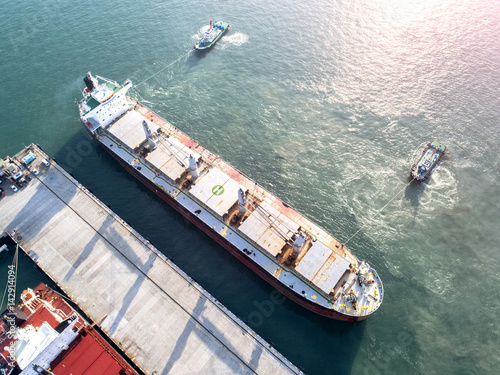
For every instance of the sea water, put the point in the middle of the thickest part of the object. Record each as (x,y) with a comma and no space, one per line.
(325,103)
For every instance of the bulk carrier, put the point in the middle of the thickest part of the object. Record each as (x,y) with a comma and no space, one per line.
(286,249)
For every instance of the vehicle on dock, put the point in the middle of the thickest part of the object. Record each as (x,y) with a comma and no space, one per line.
(18,176)
(43,334)
(212,36)
(293,254)
(428,161)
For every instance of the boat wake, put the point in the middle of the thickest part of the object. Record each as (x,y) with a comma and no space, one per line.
(443,190)
(236,39)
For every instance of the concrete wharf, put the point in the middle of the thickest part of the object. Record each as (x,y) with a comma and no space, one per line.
(156,314)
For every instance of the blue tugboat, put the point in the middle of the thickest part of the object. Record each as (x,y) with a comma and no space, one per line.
(212,35)
(429,160)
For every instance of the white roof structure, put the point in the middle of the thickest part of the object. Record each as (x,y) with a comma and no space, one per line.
(217,190)
(102,93)
(269,228)
(106,113)
(31,342)
(322,267)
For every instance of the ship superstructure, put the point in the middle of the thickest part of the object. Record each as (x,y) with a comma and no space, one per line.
(43,334)
(278,243)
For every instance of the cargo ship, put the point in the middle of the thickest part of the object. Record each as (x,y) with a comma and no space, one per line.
(282,246)
(43,334)
(212,36)
(428,161)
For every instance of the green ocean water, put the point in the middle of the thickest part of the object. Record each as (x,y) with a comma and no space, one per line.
(326,104)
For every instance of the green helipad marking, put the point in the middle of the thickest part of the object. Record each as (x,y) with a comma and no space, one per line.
(218,190)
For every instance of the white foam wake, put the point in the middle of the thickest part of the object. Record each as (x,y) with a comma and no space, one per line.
(236,39)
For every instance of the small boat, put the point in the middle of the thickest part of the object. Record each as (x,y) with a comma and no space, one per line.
(430,158)
(212,35)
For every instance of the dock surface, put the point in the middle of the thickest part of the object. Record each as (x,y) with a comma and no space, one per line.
(160,318)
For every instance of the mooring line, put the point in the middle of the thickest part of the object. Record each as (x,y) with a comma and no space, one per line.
(162,69)
(379,211)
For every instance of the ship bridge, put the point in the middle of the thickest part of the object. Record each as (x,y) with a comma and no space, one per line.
(107,109)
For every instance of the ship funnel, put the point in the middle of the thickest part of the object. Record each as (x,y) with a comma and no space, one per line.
(242,200)
(90,82)
(210,24)
(193,166)
(299,242)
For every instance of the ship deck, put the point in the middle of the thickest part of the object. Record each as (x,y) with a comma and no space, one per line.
(323,271)
(428,161)
(264,228)
(288,212)
(156,314)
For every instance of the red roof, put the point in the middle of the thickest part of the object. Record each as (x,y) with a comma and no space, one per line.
(88,354)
